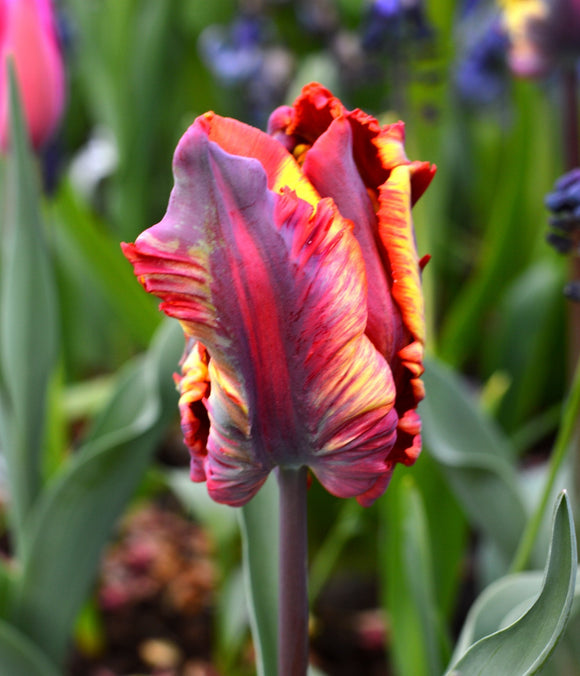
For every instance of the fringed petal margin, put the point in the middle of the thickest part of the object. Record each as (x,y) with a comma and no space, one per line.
(397,237)
(376,149)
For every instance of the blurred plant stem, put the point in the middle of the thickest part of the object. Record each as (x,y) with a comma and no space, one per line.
(571,155)
(293,597)
(565,438)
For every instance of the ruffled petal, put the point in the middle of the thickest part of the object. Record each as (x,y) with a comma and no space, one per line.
(342,164)
(376,150)
(396,233)
(276,292)
(330,166)
(194,386)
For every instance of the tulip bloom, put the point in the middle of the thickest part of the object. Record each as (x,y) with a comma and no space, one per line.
(27,35)
(289,260)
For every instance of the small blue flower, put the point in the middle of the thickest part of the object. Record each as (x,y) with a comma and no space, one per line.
(564,204)
(481,76)
(390,20)
(242,55)
(233,53)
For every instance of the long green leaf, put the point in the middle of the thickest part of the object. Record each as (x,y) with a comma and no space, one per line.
(102,258)
(408,582)
(28,321)
(74,518)
(524,646)
(474,456)
(529,324)
(493,605)
(20,657)
(259,526)
(511,225)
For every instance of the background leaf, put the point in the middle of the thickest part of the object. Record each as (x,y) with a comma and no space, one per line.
(28,322)
(418,644)
(75,515)
(524,646)
(20,657)
(474,456)
(259,524)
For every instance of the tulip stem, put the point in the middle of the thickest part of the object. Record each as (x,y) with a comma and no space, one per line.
(293,590)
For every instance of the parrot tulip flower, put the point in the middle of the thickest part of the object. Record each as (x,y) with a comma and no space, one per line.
(28,36)
(289,260)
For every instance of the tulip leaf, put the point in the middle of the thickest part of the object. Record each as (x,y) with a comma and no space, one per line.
(525,645)
(28,321)
(531,310)
(20,657)
(409,586)
(231,619)
(75,515)
(100,254)
(487,613)
(260,527)
(347,524)
(512,227)
(6,577)
(474,457)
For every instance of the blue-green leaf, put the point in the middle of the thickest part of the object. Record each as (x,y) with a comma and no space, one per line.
(259,526)
(28,321)
(408,581)
(20,657)
(524,646)
(88,239)
(475,458)
(75,515)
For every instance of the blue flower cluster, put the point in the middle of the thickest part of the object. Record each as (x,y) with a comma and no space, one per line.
(564,204)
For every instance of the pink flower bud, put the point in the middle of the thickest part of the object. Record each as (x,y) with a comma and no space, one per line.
(28,36)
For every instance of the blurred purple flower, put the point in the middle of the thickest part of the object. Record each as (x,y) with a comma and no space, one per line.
(233,53)
(242,55)
(564,204)
(389,20)
(480,77)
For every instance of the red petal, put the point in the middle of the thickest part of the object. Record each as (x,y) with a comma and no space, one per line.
(330,166)
(377,150)
(240,139)
(396,233)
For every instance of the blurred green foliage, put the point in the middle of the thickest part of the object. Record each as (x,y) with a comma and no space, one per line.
(73,315)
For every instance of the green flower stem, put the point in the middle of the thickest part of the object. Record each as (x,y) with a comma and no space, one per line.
(293,591)
(569,83)
(564,439)
(571,157)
